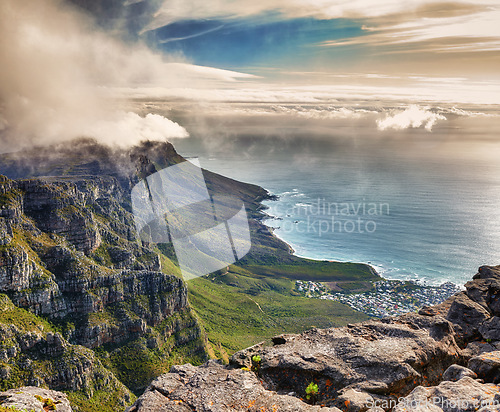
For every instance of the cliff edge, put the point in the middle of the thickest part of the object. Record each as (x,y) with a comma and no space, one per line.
(443,358)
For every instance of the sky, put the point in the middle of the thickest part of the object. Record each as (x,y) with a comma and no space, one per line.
(429,37)
(428,50)
(395,65)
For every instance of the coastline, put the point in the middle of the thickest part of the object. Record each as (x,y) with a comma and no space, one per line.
(379,270)
(382,271)
(379,297)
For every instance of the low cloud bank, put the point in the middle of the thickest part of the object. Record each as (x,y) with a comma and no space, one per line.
(412,117)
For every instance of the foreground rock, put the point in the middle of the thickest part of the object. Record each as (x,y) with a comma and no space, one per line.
(35,399)
(486,366)
(215,388)
(462,396)
(403,363)
(377,358)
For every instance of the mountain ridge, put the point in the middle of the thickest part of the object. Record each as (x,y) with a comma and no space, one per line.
(92,310)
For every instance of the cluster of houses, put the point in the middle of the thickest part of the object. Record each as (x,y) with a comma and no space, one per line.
(387,298)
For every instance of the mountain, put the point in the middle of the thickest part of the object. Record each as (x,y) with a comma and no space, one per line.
(90,309)
(443,358)
(86,307)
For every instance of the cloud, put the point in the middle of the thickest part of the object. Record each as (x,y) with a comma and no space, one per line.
(330,89)
(127,128)
(469,26)
(412,117)
(61,76)
(177,10)
(304,111)
(472,28)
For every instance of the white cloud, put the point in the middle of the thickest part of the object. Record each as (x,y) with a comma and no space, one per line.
(469,25)
(412,117)
(127,128)
(175,10)
(330,90)
(475,31)
(310,112)
(60,75)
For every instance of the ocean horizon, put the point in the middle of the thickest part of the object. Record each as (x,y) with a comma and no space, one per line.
(410,215)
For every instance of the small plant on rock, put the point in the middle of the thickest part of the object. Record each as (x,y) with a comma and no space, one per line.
(48,404)
(256,360)
(311,392)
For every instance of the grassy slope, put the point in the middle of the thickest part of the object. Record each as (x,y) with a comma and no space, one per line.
(255,299)
(238,310)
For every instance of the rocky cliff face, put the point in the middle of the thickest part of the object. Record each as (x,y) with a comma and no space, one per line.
(71,263)
(444,355)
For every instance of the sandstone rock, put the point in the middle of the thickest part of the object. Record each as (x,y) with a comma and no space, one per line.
(485,288)
(5,232)
(477,348)
(467,316)
(377,357)
(34,399)
(487,366)
(466,395)
(215,388)
(456,372)
(15,268)
(490,329)
(59,208)
(352,400)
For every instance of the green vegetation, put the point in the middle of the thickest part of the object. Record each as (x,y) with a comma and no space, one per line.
(136,365)
(11,409)
(238,309)
(318,271)
(256,360)
(138,361)
(108,400)
(21,318)
(311,392)
(48,404)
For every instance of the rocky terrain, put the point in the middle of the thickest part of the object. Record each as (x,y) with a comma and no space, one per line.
(88,309)
(34,399)
(86,306)
(443,358)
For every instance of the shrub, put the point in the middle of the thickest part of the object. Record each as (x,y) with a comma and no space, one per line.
(311,392)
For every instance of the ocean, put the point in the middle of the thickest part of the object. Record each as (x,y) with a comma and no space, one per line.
(427,212)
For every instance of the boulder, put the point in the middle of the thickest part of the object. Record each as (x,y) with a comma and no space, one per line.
(376,357)
(466,395)
(456,372)
(486,366)
(213,387)
(490,329)
(33,399)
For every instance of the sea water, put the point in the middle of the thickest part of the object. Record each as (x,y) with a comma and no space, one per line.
(416,214)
